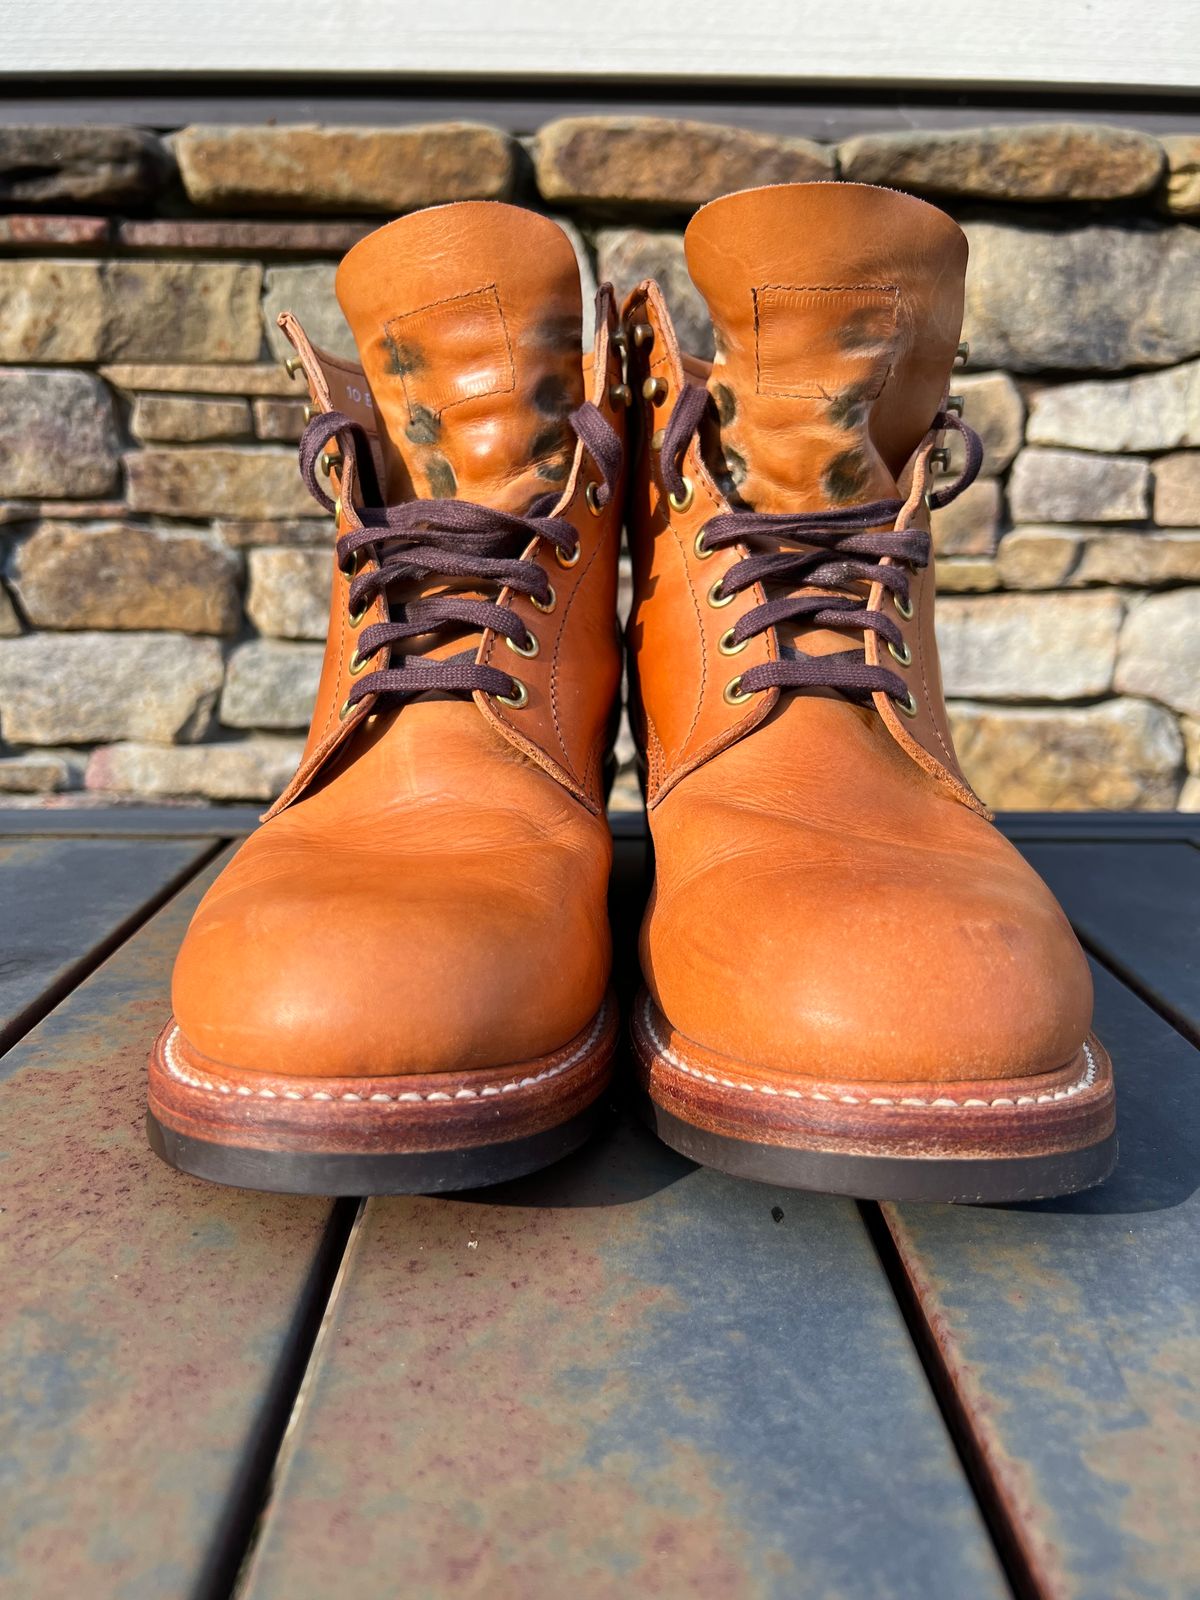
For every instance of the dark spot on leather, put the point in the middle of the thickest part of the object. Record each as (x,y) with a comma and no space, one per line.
(730,470)
(443,485)
(554,469)
(849,408)
(403,357)
(867,329)
(548,440)
(726,403)
(552,397)
(845,477)
(423,427)
(553,333)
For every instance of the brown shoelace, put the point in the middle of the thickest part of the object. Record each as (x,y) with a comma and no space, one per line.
(455,539)
(846,547)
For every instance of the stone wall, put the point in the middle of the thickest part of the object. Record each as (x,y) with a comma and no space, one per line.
(164,575)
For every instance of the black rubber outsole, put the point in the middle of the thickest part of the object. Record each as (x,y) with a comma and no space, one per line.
(335,1173)
(1001,1181)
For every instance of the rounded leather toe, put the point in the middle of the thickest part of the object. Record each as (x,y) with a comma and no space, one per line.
(311,960)
(926,965)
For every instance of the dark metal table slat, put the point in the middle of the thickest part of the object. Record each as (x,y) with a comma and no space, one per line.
(145,1318)
(626,1376)
(63,902)
(1137,905)
(1070,1331)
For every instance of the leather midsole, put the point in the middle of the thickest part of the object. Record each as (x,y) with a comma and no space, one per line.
(1025,1115)
(373,1114)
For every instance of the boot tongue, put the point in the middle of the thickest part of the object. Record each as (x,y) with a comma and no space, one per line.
(467,320)
(836,309)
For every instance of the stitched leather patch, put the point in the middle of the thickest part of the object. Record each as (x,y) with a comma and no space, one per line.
(822,342)
(450,351)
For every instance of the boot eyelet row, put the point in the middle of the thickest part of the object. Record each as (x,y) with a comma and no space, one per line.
(684,502)
(734,694)
(518,698)
(528,650)
(718,598)
(549,605)
(903,655)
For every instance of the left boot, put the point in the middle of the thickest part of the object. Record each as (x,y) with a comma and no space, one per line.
(400,982)
(854,983)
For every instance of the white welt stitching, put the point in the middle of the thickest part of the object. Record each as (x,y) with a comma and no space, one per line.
(436,1096)
(1084,1081)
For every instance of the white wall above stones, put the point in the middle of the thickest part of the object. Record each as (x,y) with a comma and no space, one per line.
(1027,42)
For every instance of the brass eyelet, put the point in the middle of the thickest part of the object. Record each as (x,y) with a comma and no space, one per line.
(517,700)
(292,366)
(549,605)
(963,354)
(654,390)
(309,413)
(717,599)
(620,394)
(903,655)
(329,460)
(357,617)
(346,709)
(568,561)
(527,650)
(337,509)
(592,495)
(348,572)
(904,608)
(701,549)
(642,334)
(658,438)
(734,695)
(728,646)
(684,502)
(939,460)
(908,705)
(357,663)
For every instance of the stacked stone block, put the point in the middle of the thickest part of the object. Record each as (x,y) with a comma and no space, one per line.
(164,576)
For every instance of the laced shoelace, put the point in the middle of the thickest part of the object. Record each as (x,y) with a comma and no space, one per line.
(421,540)
(846,547)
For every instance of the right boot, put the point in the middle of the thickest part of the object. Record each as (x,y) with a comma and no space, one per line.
(854,983)
(400,983)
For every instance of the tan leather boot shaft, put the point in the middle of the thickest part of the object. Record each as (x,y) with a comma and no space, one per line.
(837,310)
(468,336)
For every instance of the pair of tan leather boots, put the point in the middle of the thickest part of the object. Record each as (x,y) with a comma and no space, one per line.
(853,983)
